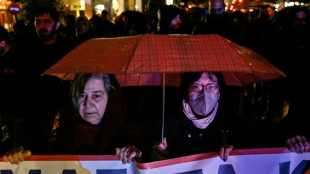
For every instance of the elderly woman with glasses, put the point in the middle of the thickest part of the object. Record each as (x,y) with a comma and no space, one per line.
(199,125)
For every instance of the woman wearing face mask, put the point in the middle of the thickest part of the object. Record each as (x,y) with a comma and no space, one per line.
(199,124)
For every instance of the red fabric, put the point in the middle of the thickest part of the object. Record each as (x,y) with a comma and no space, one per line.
(86,133)
(147,57)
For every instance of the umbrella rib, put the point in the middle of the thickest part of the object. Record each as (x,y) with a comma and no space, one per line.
(131,57)
(233,45)
(65,76)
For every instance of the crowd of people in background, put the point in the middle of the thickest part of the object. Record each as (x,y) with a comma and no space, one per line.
(264,114)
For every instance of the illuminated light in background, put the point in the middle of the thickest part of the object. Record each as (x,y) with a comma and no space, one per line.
(99,8)
(277,6)
(136,6)
(169,2)
(6,26)
(67,7)
(115,4)
(231,7)
(289,4)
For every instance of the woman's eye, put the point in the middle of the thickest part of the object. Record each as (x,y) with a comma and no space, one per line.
(196,87)
(97,97)
(82,97)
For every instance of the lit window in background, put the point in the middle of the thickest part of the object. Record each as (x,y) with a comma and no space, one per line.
(169,2)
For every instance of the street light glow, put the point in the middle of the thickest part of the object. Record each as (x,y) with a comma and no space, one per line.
(169,2)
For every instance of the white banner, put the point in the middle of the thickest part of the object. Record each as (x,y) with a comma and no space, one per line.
(249,161)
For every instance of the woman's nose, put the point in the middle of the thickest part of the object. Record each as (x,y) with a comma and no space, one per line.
(88,101)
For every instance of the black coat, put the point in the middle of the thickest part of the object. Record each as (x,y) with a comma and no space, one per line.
(184,138)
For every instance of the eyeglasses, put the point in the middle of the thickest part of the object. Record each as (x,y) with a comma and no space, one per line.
(211,87)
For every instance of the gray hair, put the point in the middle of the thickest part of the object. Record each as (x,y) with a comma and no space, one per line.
(80,80)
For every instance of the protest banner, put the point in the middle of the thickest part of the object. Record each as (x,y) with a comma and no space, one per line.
(247,161)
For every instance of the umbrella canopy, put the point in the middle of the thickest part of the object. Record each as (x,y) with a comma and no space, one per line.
(141,60)
(160,60)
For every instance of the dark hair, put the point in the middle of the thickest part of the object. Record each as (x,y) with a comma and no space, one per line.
(80,80)
(190,77)
(268,6)
(104,12)
(84,20)
(167,13)
(41,10)
(4,35)
(95,19)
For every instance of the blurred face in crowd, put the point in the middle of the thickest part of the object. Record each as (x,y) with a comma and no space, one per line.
(271,13)
(81,27)
(92,101)
(2,47)
(176,22)
(299,21)
(46,28)
(217,7)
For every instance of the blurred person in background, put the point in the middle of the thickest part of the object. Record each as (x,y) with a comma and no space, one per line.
(82,30)
(130,23)
(45,94)
(169,20)
(293,50)
(69,29)
(11,58)
(106,27)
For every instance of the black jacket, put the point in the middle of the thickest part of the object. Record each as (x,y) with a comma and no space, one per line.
(184,138)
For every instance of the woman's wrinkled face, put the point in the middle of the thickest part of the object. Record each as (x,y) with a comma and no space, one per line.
(92,101)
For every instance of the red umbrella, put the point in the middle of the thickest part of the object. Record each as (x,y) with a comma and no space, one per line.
(155,60)
(141,60)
